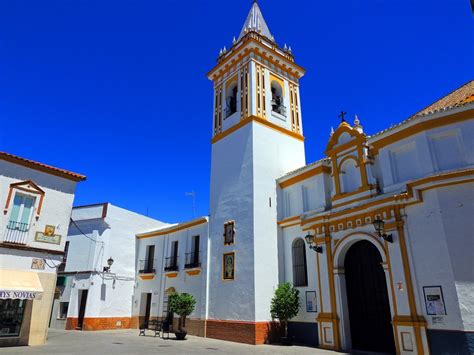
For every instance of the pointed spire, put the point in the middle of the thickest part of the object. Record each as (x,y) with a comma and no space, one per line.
(255,22)
(357,125)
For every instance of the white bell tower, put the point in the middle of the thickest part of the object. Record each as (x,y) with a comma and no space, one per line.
(257,137)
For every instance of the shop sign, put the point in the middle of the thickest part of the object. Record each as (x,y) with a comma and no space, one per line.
(22,295)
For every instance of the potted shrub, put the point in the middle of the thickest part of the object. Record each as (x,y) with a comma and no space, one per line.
(285,305)
(183,305)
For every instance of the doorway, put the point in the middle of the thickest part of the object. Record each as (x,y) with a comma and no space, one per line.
(82,308)
(367,297)
(147,309)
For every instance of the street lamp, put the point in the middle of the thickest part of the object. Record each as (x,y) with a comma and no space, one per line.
(310,240)
(110,261)
(379,228)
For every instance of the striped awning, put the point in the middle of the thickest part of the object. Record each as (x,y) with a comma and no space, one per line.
(15,284)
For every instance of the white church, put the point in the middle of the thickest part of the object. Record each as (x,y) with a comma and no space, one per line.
(378,235)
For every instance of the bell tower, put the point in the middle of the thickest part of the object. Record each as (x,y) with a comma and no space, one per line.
(257,137)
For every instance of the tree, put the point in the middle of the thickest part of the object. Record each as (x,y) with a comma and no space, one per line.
(183,305)
(285,304)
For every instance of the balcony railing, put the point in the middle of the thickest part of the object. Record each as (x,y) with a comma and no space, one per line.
(147,266)
(16,232)
(192,260)
(278,108)
(171,264)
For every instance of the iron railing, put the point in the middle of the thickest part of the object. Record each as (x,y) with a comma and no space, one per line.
(171,263)
(17,232)
(278,108)
(147,266)
(192,260)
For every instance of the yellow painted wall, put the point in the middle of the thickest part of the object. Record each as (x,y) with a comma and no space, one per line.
(41,311)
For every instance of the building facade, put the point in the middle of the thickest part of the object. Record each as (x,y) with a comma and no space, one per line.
(37,201)
(172,259)
(377,235)
(404,287)
(91,294)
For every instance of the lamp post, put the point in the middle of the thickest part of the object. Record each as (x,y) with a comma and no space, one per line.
(310,240)
(379,226)
(110,261)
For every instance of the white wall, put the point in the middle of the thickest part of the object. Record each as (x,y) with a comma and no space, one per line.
(110,295)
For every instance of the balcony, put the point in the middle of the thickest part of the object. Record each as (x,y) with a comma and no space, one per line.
(171,263)
(17,233)
(192,260)
(278,107)
(147,266)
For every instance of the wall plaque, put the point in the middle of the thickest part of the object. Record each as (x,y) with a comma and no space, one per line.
(37,264)
(51,239)
(434,301)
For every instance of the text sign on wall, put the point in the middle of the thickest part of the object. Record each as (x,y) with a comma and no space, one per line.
(22,295)
(37,264)
(434,301)
(51,239)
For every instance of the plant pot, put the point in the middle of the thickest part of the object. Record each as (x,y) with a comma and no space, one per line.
(181,334)
(286,341)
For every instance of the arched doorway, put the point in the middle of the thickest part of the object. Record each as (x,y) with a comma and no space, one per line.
(367,298)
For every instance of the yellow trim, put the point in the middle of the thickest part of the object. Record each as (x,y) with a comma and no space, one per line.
(279,62)
(172,229)
(260,120)
(171,275)
(306,175)
(347,157)
(420,127)
(288,220)
(147,276)
(193,272)
(348,194)
(409,281)
(280,81)
(408,194)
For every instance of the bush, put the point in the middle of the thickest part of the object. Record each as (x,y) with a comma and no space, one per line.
(183,305)
(285,304)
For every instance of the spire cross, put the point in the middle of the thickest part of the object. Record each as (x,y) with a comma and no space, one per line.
(341,116)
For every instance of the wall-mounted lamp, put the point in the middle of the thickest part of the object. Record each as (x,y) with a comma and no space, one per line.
(312,243)
(379,228)
(110,261)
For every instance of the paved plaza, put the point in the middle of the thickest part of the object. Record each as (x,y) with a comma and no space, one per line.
(128,342)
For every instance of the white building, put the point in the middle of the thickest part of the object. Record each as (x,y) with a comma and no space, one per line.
(37,201)
(172,259)
(93,297)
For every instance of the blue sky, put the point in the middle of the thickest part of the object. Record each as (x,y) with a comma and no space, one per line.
(117,90)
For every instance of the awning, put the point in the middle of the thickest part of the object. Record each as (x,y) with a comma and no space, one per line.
(23,285)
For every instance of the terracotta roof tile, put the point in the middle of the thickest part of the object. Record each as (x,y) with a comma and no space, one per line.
(41,167)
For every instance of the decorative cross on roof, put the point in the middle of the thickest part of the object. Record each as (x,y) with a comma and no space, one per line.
(341,116)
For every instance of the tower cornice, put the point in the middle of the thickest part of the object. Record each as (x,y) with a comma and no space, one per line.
(258,44)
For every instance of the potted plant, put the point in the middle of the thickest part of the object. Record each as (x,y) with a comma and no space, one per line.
(285,305)
(183,305)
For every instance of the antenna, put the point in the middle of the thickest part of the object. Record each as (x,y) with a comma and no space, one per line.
(193,195)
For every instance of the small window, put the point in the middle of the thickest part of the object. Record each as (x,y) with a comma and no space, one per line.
(229,233)
(278,105)
(22,210)
(300,273)
(63,307)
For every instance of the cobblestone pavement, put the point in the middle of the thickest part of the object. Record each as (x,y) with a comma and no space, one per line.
(128,342)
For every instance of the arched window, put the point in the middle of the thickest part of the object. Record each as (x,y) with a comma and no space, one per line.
(277,98)
(350,176)
(300,272)
(231,99)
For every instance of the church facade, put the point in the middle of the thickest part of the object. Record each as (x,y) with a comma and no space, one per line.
(377,235)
